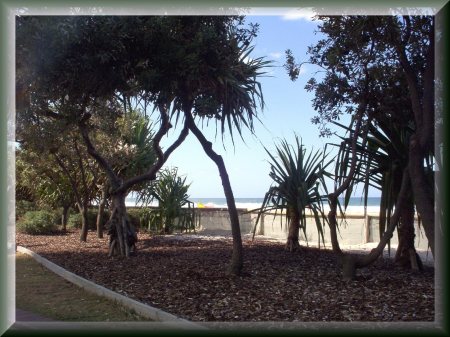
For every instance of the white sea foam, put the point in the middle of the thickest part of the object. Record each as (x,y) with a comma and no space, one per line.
(255,204)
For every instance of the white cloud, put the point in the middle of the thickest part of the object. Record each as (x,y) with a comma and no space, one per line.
(275,55)
(303,70)
(299,14)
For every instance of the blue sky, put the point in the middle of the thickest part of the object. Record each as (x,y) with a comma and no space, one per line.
(288,109)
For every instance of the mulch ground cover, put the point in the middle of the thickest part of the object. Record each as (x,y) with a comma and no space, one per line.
(188,278)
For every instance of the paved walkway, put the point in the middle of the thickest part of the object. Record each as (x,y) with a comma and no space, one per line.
(27,316)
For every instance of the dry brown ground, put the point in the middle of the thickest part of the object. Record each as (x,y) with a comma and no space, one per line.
(188,278)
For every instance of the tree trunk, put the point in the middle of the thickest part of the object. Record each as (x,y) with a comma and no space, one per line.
(422,142)
(292,243)
(406,253)
(350,264)
(237,256)
(84,222)
(333,197)
(101,208)
(123,238)
(332,222)
(422,189)
(64,217)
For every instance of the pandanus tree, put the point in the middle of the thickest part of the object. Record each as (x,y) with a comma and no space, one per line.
(381,165)
(170,191)
(89,62)
(126,143)
(217,81)
(378,69)
(297,189)
(185,67)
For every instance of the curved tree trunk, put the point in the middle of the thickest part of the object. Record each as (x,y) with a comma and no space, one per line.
(123,237)
(332,223)
(333,197)
(406,255)
(101,208)
(292,243)
(237,256)
(350,263)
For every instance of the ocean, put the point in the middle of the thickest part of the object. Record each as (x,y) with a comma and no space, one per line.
(356,204)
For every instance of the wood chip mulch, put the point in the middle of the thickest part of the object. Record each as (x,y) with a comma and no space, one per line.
(188,278)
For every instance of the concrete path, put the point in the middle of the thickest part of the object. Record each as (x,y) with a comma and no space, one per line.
(27,316)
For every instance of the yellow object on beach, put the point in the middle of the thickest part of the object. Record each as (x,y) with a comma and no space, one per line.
(200,205)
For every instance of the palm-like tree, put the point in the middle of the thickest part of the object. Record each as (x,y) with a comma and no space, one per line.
(219,83)
(170,190)
(297,179)
(382,163)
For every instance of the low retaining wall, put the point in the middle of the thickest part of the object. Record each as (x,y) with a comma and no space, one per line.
(356,229)
(218,219)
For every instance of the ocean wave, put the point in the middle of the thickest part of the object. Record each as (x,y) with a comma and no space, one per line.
(254,204)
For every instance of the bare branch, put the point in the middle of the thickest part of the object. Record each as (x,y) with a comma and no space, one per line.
(114,179)
(162,156)
(69,176)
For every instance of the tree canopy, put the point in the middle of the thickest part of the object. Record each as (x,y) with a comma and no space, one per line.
(184,67)
(379,69)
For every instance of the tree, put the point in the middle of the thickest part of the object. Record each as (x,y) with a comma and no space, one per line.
(296,177)
(126,143)
(94,60)
(170,190)
(45,184)
(381,164)
(186,67)
(61,159)
(218,82)
(369,63)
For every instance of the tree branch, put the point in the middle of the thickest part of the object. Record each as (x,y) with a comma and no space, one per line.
(69,176)
(114,179)
(427,129)
(162,156)
(410,75)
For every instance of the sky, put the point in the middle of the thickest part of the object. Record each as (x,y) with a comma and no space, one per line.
(288,110)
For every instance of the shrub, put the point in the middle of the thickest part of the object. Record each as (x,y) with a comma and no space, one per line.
(74,220)
(23,206)
(37,223)
(135,215)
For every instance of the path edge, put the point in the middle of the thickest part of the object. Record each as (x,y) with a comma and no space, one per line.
(145,310)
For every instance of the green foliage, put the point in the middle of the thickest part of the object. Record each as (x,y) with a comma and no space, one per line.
(74,220)
(37,223)
(134,152)
(381,162)
(297,179)
(24,206)
(362,67)
(154,220)
(135,216)
(170,191)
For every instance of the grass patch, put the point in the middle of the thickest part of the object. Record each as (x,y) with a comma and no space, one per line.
(41,291)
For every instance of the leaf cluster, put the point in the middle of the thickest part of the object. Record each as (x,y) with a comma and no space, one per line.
(298,179)
(170,191)
(360,62)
